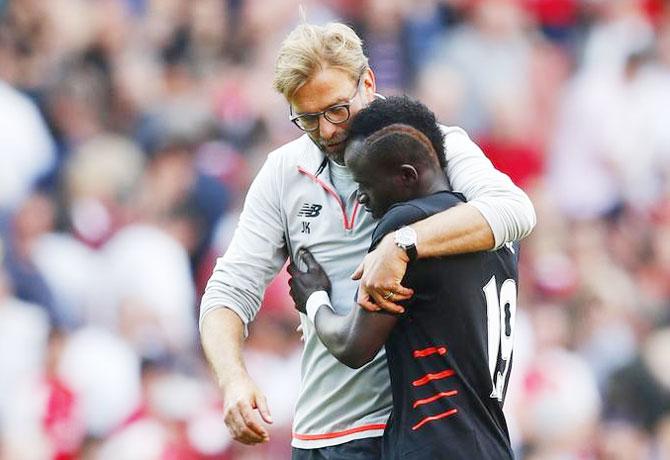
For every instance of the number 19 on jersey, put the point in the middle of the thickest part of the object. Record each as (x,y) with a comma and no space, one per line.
(500,313)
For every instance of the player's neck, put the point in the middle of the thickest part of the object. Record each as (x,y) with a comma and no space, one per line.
(434,182)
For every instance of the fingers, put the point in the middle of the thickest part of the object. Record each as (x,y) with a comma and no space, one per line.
(359,271)
(387,305)
(263,409)
(386,298)
(292,269)
(309,260)
(240,418)
(242,426)
(365,302)
(251,423)
(290,289)
(400,292)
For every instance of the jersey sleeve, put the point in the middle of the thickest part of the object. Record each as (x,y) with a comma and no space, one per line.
(256,253)
(506,207)
(396,217)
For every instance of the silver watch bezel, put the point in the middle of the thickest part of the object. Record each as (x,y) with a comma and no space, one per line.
(405,237)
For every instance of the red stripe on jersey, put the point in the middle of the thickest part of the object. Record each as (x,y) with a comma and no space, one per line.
(432,418)
(429,351)
(337,434)
(430,377)
(444,394)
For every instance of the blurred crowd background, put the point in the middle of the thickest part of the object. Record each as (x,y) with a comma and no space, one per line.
(130,131)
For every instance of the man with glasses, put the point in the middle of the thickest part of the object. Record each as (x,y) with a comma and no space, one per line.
(304,198)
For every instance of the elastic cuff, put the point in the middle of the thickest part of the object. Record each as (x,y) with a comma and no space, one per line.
(316,300)
(492,216)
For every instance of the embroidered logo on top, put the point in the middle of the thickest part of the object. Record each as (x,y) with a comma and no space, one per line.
(310,210)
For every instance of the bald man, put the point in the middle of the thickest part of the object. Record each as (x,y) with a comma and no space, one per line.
(450,352)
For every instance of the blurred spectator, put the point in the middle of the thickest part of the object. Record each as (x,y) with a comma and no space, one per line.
(638,399)
(490,54)
(101,177)
(34,218)
(107,389)
(62,420)
(510,146)
(175,189)
(386,39)
(26,149)
(152,293)
(75,277)
(559,408)
(23,327)
(557,18)
(158,427)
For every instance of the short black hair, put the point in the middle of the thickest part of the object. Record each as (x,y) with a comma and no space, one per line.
(399,144)
(399,109)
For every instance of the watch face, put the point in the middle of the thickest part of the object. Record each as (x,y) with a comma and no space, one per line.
(406,236)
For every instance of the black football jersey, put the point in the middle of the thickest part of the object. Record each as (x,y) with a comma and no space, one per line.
(450,354)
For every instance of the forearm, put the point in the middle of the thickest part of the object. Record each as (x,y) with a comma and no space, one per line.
(354,339)
(505,207)
(335,332)
(222,335)
(458,230)
(511,217)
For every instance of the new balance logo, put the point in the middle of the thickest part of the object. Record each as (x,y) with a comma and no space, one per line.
(309,210)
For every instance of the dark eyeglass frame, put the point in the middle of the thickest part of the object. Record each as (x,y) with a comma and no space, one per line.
(317,115)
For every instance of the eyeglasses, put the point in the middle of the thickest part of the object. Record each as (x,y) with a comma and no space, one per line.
(335,114)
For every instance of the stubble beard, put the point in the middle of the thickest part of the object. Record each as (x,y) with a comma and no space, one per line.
(335,153)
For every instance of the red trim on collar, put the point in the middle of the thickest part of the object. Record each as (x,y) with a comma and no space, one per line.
(348,222)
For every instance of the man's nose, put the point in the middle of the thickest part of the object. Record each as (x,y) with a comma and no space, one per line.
(326,128)
(362,197)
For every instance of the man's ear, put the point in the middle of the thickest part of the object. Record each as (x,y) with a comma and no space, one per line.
(409,175)
(369,84)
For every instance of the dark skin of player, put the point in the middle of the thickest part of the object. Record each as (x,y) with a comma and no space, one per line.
(356,338)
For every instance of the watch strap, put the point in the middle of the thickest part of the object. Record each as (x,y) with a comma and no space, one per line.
(411,252)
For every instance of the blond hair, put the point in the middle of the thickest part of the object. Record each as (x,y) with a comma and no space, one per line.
(310,48)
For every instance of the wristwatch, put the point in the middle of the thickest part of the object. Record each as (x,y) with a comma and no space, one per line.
(405,238)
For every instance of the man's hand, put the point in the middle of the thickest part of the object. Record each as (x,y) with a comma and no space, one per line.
(303,283)
(380,273)
(241,398)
